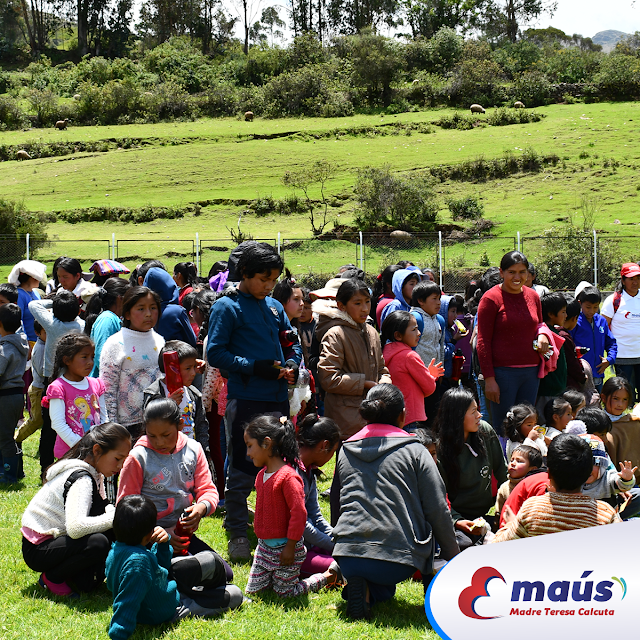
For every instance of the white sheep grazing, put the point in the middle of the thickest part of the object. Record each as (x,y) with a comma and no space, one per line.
(400,234)
(23,155)
(61,124)
(248,116)
(77,96)
(477,108)
(518,105)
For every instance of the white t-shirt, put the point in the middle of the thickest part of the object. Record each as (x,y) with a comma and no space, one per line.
(625,325)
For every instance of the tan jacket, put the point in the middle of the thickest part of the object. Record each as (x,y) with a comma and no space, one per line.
(349,354)
(623,442)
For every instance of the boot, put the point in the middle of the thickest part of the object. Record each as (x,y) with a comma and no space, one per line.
(12,468)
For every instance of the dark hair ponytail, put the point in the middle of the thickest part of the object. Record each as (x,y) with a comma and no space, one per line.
(107,436)
(384,404)
(163,409)
(282,435)
(105,298)
(315,429)
(188,271)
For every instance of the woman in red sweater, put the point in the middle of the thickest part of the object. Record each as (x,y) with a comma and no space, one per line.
(281,516)
(509,321)
(400,336)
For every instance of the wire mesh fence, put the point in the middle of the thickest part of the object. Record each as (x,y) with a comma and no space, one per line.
(562,262)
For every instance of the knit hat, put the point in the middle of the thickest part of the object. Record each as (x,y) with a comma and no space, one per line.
(32,268)
(576,427)
(600,456)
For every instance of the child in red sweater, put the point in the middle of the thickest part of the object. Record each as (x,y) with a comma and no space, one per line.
(400,336)
(280,512)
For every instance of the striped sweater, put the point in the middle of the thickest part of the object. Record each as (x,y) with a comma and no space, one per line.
(556,512)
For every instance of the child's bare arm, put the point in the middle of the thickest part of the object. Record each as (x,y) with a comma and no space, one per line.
(287,555)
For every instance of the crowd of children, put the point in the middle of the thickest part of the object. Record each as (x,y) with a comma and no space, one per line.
(273,380)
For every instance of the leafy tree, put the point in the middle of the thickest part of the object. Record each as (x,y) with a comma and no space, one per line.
(629,45)
(352,16)
(41,20)
(317,174)
(270,18)
(427,17)
(518,11)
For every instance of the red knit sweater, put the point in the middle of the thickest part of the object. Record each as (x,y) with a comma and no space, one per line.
(507,326)
(280,510)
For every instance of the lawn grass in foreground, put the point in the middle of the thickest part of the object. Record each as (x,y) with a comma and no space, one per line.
(30,613)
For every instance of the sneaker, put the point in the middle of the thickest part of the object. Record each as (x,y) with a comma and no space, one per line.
(57,588)
(336,579)
(357,605)
(239,549)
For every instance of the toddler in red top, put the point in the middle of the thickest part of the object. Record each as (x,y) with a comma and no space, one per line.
(280,512)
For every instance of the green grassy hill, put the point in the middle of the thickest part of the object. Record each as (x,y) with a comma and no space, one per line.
(226,163)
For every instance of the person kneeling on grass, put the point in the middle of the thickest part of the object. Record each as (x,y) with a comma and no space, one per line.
(392,505)
(563,508)
(139,578)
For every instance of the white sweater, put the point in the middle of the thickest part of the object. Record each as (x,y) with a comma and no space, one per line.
(128,365)
(47,515)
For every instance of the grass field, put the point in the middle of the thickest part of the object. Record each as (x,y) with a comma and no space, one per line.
(28,612)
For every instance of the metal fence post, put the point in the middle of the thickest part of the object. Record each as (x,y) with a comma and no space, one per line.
(361,251)
(278,243)
(28,248)
(197,252)
(113,246)
(440,256)
(518,241)
(595,258)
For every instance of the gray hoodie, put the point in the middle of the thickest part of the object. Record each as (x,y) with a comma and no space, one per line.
(13,360)
(393,500)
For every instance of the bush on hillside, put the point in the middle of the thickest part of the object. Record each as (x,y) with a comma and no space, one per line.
(17,221)
(478,80)
(469,208)
(568,251)
(11,115)
(619,77)
(532,88)
(393,201)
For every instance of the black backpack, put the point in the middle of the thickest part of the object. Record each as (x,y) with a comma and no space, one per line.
(98,503)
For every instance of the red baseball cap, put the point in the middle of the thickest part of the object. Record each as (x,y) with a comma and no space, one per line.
(629,270)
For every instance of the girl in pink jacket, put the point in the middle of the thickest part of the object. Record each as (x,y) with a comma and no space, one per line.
(400,336)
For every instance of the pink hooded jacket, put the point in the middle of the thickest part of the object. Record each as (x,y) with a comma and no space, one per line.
(411,376)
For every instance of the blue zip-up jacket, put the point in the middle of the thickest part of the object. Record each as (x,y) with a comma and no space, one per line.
(399,304)
(598,338)
(174,320)
(243,329)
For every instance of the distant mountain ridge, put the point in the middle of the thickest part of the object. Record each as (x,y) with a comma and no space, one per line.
(609,38)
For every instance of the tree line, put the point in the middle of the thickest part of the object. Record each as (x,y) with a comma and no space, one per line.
(105,27)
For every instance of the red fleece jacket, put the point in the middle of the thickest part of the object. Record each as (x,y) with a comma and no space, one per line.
(280,510)
(411,376)
(507,326)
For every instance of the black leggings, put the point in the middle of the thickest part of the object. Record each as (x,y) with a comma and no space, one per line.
(197,545)
(66,559)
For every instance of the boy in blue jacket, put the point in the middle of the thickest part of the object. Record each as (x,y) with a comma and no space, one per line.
(139,578)
(592,331)
(244,343)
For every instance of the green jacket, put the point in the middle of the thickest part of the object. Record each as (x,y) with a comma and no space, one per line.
(474,498)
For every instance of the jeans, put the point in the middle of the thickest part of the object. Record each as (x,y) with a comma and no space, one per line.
(242,472)
(517,385)
(483,405)
(632,373)
(381,576)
